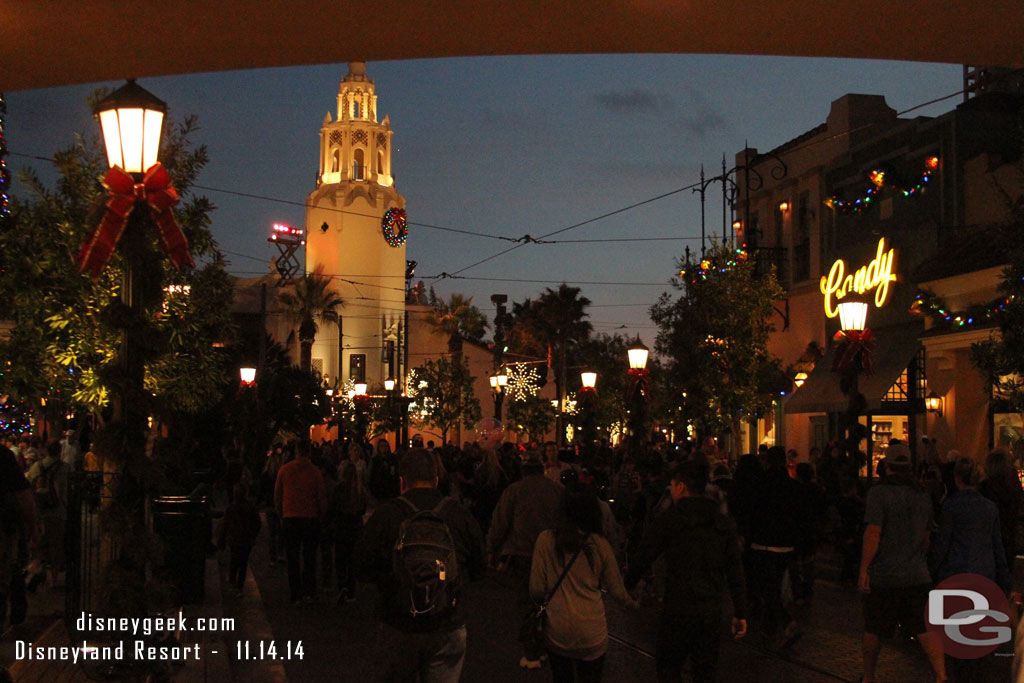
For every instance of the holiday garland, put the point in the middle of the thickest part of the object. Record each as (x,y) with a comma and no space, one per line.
(701,270)
(395,227)
(928,303)
(878,180)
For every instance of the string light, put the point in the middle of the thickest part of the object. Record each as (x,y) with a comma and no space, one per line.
(878,179)
(930,304)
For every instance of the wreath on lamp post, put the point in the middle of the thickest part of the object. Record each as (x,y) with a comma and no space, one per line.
(853,355)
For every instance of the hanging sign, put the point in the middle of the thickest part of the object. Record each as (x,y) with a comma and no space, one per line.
(876,275)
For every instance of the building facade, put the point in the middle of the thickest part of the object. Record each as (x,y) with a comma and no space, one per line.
(896,205)
(355,234)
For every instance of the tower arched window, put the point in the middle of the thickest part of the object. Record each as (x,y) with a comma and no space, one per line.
(357,165)
(335,160)
(380,162)
(355,109)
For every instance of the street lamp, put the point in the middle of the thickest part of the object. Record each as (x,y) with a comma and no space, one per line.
(637,354)
(498,383)
(360,388)
(853,314)
(132,119)
(389,384)
(248,376)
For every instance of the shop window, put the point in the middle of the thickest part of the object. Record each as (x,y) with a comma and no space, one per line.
(911,384)
(357,367)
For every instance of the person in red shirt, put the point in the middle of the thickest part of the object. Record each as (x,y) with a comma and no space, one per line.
(300,499)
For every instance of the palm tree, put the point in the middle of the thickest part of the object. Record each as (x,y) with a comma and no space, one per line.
(556,320)
(459,319)
(312,299)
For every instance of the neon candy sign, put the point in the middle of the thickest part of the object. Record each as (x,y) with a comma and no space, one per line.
(876,275)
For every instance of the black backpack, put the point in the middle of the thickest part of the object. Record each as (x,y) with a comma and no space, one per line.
(425,564)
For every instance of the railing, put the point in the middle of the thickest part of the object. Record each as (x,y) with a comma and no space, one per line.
(88,550)
(766,257)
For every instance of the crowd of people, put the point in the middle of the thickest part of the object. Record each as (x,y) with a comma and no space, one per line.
(712,543)
(674,529)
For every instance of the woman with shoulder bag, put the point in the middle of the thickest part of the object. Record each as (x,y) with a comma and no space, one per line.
(570,566)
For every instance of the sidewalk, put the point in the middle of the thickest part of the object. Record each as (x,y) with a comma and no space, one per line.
(46,626)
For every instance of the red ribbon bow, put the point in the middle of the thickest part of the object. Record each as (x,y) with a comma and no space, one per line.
(852,344)
(158,192)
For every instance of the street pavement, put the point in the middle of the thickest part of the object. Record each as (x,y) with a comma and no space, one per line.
(338,641)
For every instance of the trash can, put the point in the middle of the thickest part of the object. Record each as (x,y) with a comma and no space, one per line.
(183,524)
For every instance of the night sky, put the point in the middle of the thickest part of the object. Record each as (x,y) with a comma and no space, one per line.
(507,147)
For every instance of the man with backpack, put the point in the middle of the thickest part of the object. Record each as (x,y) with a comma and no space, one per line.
(49,479)
(420,549)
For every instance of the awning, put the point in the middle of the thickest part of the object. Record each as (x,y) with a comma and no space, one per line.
(895,348)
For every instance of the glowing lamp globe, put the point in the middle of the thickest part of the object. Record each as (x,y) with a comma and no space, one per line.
(502,379)
(588,379)
(360,388)
(493,379)
(853,314)
(247,375)
(637,355)
(799,379)
(132,120)
(389,384)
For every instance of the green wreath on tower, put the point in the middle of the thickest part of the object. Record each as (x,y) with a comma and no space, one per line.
(395,227)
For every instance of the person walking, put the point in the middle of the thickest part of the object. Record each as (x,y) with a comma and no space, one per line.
(422,634)
(345,520)
(526,508)
(777,524)
(268,481)
(702,551)
(241,526)
(1002,487)
(49,479)
(18,532)
(894,574)
(301,501)
(576,561)
(969,538)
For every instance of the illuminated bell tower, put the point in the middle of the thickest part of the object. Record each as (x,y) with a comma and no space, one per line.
(355,230)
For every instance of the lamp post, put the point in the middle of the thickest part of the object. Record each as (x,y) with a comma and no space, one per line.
(638,388)
(359,399)
(588,400)
(389,389)
(498,383)
(140,196)
(853,356)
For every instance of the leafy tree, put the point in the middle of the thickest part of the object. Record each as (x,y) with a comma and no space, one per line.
(532,417)
(713,339)
(458,318)
(312,299)
(445,394)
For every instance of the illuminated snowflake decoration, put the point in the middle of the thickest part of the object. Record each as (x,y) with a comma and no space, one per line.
(523,382)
